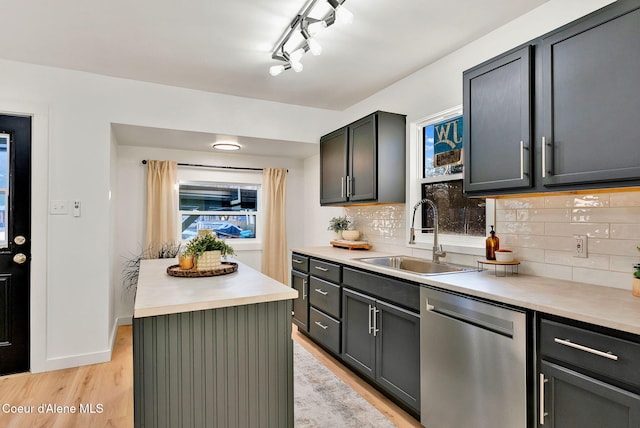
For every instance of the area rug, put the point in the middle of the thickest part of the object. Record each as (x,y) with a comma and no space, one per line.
(324,400)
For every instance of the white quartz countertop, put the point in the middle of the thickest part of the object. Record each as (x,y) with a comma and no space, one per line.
(606,306)
(161,294)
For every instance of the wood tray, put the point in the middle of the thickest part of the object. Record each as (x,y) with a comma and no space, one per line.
(351,245)
(226,268)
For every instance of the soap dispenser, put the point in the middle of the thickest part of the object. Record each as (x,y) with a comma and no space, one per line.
(493,245)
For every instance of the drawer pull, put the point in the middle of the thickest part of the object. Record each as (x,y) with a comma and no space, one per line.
(297,261)
(567,342)
(324,293)
(320,268)
(319,324)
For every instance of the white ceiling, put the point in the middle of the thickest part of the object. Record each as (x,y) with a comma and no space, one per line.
(143,136)
(224,46)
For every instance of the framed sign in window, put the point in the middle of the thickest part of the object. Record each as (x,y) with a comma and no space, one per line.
(442,146)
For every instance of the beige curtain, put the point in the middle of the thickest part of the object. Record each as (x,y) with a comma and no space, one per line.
(162,205)
(274,247)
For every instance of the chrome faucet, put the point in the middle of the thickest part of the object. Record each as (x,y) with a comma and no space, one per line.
(437,249)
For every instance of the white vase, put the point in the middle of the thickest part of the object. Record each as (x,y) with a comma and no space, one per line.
(337,235)
(209,260)
(350,235)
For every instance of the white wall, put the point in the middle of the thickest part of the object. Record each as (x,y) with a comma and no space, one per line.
(131,211)
(73,276)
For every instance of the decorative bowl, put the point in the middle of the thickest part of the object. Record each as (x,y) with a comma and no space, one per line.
(504,256)
(350,235)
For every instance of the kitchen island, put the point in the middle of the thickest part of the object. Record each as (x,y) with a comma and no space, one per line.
(213,351)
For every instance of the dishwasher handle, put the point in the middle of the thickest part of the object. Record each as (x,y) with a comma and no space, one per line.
(467,319)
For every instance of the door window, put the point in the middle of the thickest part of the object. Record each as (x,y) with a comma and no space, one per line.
(5,140)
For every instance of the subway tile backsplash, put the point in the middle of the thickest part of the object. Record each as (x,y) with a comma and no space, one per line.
(540,230)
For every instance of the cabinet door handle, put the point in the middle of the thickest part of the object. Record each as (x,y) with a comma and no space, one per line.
(375,321)
(546,145)
(296,261)
(567,342)
(370,322)
(304,289)
(522,149)
(342,187)
(319,324)
(349,186)
(320,268)
(541,399)
(544,157)
(319,290)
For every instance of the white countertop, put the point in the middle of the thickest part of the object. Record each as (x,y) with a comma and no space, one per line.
(606,306)
(161,294)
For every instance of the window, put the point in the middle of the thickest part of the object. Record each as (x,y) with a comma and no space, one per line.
(4,187)
(436,143)
(230,210)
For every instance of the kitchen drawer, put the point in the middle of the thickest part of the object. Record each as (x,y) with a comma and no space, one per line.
(602,354)
(325,330)
(325,296)
(391,290)
(300,262)
(325,270)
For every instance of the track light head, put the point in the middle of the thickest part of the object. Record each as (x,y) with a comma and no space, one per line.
(298,37)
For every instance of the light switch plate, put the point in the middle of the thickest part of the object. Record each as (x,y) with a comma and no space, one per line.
(59,206)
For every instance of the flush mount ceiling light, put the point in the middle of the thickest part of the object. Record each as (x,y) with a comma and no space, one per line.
(227,146)
(298,39)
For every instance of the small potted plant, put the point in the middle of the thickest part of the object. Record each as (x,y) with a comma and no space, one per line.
(207,251)
(635,282)
(338,224)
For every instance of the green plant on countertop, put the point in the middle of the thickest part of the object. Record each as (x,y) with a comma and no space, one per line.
(338,224)
(636,268)
(201,243)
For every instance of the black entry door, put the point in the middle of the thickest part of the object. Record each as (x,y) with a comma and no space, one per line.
(15,242)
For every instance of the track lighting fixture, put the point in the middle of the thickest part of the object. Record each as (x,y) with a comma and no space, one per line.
(298,38)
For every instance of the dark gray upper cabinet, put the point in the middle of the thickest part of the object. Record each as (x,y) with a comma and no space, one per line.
(497,123)
(591,99)
(364,161)
(577,124)
(334,149)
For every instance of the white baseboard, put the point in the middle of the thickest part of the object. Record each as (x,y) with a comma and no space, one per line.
(77,360)
(87,359)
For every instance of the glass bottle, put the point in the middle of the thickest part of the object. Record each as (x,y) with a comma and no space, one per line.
(493,245)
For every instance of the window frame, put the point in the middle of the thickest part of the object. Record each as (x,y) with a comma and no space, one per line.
(454,243)
(212,177)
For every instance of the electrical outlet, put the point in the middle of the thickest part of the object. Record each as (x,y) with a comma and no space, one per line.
(581,245)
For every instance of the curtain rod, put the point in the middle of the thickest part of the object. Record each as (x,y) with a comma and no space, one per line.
(144,162)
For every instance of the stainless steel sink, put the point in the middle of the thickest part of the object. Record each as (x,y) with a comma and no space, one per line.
(415,265)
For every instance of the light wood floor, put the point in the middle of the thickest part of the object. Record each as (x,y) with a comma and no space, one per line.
(108,388)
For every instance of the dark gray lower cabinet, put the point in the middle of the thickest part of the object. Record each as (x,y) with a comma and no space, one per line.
(588,377)
(572,400)
(300,282)
(381,341)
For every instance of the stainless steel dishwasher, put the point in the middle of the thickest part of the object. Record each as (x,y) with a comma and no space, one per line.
(473,363)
